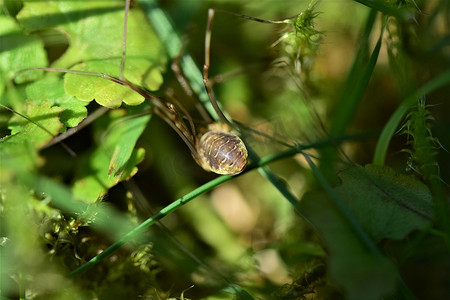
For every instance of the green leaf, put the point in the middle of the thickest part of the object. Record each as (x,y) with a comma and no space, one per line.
(95,30)
(90,25)
(362,273)
(115,158)
(18,151)
(121,140)
(386,205)
(50,89)
(18,51)
(94,181)
(45,115)
(106,92)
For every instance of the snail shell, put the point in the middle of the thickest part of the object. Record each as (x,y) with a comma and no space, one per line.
(221,151)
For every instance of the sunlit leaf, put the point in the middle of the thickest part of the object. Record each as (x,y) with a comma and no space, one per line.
(115,158)
(108,93)
(121,140)
(91,26)
(50,89)
(95,32)
(93,179)
(18,51)
(18,150)
(45,115)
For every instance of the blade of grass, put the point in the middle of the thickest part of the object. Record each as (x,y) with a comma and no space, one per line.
(352,92)
(356,82)
(149,222)
(386,8)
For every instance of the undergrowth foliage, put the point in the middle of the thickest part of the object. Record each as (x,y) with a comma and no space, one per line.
(100,199)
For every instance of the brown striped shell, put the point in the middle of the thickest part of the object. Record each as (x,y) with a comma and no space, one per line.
(221,151)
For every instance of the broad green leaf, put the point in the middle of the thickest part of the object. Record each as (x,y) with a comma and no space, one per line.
(19,150)
(387,204)
(93,180)
(45,115)
(94,27)
(362,273)
(95,30)
(50,89)
(106,92)
(18,51)
(121,140)
(114,158)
